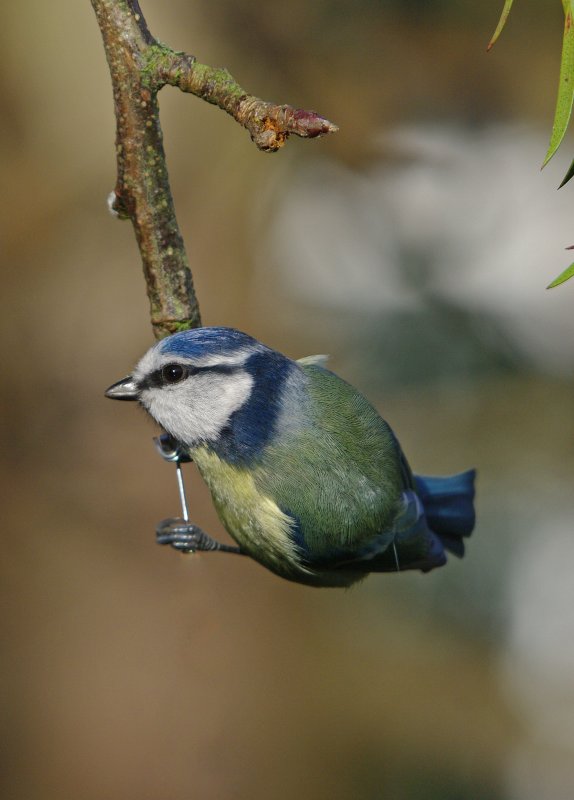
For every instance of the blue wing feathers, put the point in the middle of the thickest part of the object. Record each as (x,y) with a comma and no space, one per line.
(449,507)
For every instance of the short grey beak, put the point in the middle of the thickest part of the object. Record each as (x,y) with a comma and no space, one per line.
(126,389)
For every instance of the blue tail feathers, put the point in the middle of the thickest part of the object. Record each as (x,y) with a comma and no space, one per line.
(449,507)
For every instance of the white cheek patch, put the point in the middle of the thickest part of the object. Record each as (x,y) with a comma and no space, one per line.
(198,409)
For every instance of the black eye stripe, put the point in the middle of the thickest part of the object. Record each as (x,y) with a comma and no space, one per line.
(220,369)
(157,379)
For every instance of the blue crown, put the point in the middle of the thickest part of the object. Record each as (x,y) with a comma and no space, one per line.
(203,341)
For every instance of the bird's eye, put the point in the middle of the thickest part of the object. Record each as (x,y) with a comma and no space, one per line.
(173,373)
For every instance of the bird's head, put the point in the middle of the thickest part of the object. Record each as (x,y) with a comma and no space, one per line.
(201,383)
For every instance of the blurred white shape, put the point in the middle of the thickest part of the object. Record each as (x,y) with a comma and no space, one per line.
(332,242)
(497,226)
(538,666)
(471,210)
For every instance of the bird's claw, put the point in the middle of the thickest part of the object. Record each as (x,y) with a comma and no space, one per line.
(182,536)
(188,538)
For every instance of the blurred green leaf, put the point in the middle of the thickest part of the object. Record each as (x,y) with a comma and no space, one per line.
(563,277)
(566,83)
(501,23)
(568,175)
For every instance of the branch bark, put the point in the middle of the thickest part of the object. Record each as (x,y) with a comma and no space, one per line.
(140,66)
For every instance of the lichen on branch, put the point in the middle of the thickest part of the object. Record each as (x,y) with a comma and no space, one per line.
(140,66)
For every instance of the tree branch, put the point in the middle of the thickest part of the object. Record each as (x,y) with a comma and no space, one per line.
(140,66)
(269,124)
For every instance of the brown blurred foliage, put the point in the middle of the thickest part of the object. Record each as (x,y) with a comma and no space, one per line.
(130,671)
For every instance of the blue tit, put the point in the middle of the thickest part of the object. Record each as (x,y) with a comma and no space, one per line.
(305,475)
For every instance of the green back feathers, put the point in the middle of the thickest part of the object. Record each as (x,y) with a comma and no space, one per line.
(330,480)
(339,472)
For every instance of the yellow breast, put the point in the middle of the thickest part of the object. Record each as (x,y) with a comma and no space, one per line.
(255,521)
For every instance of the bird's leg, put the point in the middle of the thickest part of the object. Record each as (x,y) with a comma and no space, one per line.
(178,532)
(188,538)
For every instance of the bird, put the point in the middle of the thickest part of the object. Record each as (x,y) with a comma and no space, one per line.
(304,473)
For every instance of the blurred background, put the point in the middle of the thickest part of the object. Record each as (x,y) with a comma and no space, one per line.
(414,248)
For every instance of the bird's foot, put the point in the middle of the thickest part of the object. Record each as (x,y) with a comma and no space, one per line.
(188,538)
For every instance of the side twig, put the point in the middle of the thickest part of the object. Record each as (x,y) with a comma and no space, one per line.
(140,66)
